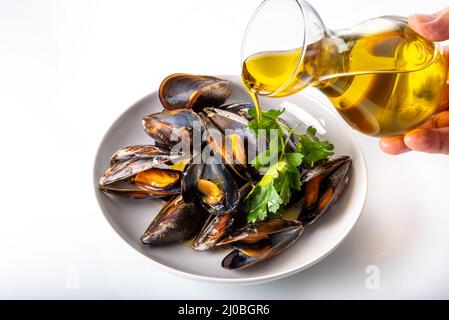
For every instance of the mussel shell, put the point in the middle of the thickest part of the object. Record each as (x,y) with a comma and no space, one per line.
(324,168)
(246,255)
(323,186)
(212,170)
(129,189)
(225,120)
(172,127)
(146,151)
(127,162)
(177,221)
(255,232)
(217,125)
(218,227)
(212,231)
(239,108)
(181,90)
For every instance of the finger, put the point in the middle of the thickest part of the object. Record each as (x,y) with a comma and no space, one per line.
(393,145)
(430,123)
(434,27)
(428,140)
(442,119)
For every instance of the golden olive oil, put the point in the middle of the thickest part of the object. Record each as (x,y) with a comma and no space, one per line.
(382,83)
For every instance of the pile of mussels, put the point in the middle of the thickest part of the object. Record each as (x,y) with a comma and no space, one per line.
(205,199)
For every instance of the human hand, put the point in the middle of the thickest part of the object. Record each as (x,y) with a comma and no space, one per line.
(433,135)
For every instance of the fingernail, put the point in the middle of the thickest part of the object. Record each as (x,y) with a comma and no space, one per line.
(393,145)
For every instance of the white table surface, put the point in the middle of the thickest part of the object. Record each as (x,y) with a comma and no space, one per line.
(68,69)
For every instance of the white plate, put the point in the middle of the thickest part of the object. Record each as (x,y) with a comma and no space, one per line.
(130,218)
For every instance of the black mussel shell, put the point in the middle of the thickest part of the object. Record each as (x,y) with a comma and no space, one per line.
(177,221)
(228,136)
(172,127)
(239,108)
(248,254)
(160,154)
(212,231)
(323,185)
(220,226)
(130,162)
(255,232)
(210,169)
(187,91)
(324,168)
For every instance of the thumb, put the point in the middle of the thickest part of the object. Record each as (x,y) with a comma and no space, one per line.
(434,27)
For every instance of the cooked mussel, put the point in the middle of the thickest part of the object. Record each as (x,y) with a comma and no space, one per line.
(181,90)
(142,172)
(260,241)
(229,137)
(145,151)
(239,108)
(217,227)
(255,232)
(323,185)
(172,127)
(228,118)
(177,221)
(207,182)
(213,231)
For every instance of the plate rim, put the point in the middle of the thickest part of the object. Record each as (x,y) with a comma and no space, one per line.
(242,280)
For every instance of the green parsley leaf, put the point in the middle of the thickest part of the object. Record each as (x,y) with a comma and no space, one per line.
(294,159)
(272,173)
(313,149)
(274,201)
(268,121)
(257,202)
(283,186)
(275,188)
(264,198)
(295,179)
(267,157)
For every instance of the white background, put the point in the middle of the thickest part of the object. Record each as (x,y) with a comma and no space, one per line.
(68,69)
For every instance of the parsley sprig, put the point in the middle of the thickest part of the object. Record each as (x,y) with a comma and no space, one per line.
(281,177)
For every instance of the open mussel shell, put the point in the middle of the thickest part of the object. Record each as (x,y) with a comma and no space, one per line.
(228,136)
(225,119)
(177,221)
(251,248)
(181,90)
(207,182)
(142,172)
(322,187)
(172,127)
(213,231)
(239,108)
(255,232)
(324,168)
(217,227)
(143,152)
